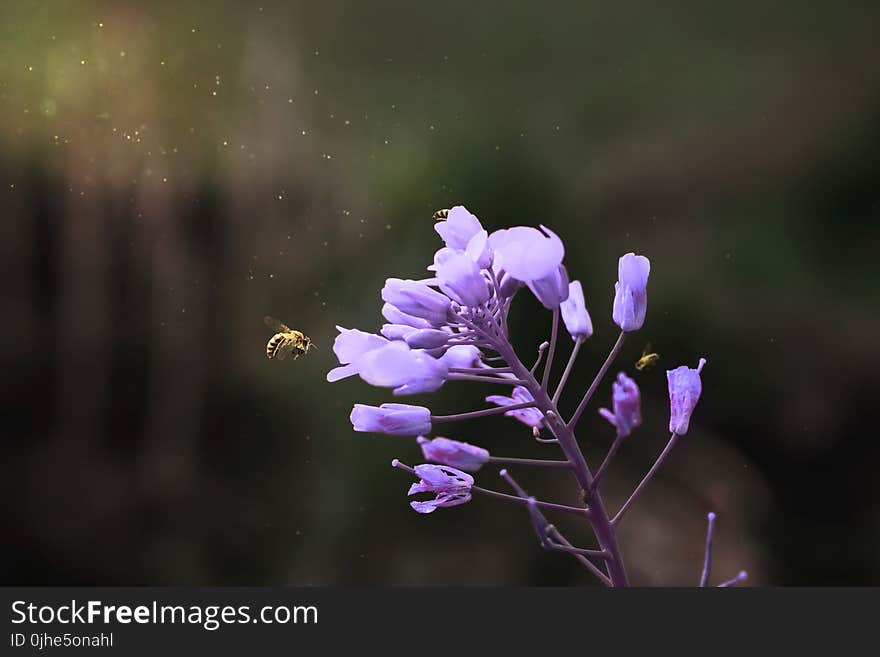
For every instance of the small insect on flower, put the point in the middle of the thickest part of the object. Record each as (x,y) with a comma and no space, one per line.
(441,215)
(648,359)
(285,341)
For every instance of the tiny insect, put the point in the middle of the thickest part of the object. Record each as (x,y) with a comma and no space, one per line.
(648,359)
(440,215)
(286,341)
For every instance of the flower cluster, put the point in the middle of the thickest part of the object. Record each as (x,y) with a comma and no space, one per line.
(452,325)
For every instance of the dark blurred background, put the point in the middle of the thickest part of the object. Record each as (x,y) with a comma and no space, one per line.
(170,174)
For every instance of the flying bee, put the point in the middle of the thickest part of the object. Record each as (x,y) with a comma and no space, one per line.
(648,359)
(440,215)
(286,341)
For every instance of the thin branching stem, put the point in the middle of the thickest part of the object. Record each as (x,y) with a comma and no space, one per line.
(605,463)
(632,498)
(554,533)
(568,367)
(481,413)
(550,506)
(541,349)
(550,537)
(479,370)
(740,577)
(572,423)
(554,334)
(707,557)
(602,526)
(532,463)
(485,379)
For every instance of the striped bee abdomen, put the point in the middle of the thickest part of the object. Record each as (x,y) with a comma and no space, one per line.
(273,344)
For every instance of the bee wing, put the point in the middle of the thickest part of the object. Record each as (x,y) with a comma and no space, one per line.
(646,350)
(284,349)
(274,324)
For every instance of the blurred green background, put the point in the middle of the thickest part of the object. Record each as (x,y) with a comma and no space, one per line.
(171,172)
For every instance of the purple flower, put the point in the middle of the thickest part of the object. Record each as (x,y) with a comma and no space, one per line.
(416,299)
(453,487)
(479,251)
(461,355)
(454,453)
(526,253)
(350,346)
(395,316)
(574,313)
(508,285)
(408,371)
(398,331)
(441,256)
(461,279)
(458,228)
(529,416)
(393,419)
(630,292)
(551,290)
(626,402)
(425,338)
(685,387)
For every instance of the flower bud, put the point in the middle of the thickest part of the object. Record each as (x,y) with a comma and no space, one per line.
(574,313)
(685,387)
(454,453)
(630,292)
(416,299)
(551,290)
(393,419)
(626,402)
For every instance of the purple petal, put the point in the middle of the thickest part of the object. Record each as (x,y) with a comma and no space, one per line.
(574,313)
(458,227)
